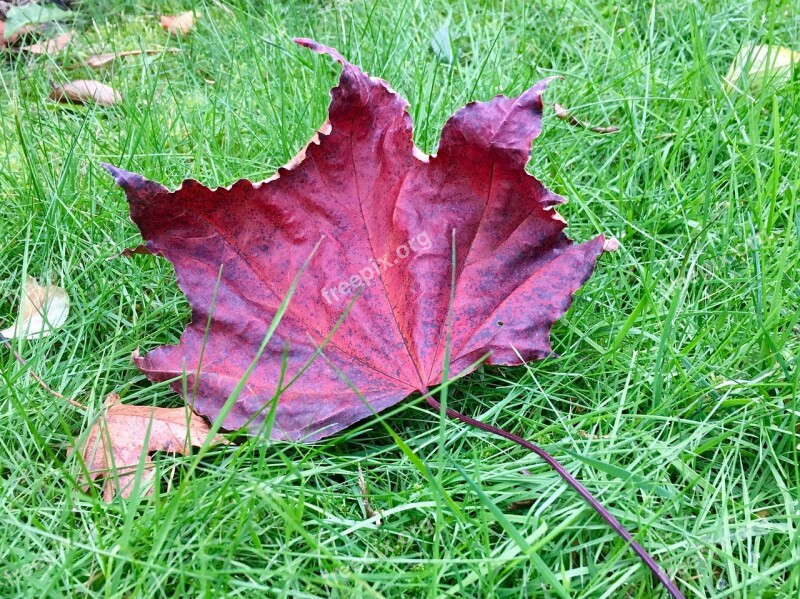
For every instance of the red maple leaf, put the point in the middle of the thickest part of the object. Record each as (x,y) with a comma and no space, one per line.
(383,215)
(387,230)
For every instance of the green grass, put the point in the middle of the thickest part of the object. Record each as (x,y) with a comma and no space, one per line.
(675,399)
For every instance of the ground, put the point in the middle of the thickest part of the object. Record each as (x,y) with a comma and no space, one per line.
(675,394)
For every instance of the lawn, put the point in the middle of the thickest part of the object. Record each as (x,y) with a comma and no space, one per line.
(674,398)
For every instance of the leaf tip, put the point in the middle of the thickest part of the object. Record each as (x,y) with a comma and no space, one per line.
(112,170)
(320,48)
(131,182)
(122,177)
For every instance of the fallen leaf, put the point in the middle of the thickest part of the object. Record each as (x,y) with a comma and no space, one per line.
(19,17)
(611,244)
(566,115)
(13,39)
(377,231)
(41,310)
(178,24)
(100,60)
(762,65)
(442,45)
(51,46)
(82,91)
(116,442)
(384,216)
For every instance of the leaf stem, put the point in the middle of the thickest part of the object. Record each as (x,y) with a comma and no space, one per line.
(573,482)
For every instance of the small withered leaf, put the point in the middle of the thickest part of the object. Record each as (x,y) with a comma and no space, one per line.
(51,46)
(83,91)
(178,24)
(42,308)
(124,435)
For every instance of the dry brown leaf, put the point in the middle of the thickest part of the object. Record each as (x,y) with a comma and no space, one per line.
(11,40)
(100,60)
(761,65)
(566,115)
(51,46)
(116,442)
(178,24)
(41,309)
(611,244)
(82,91)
